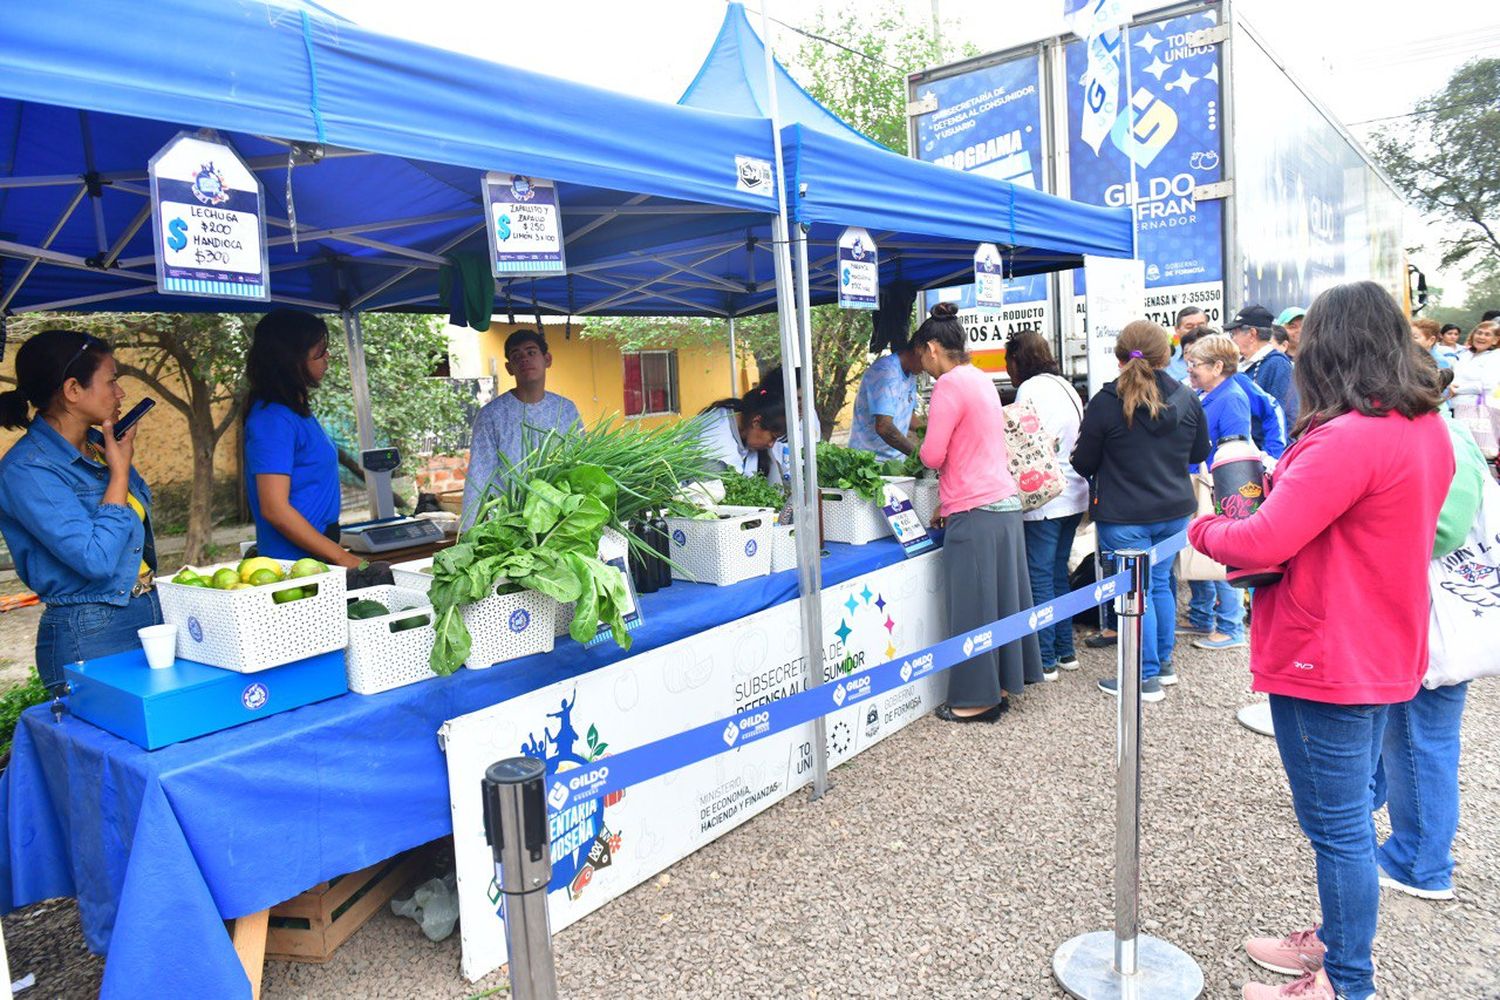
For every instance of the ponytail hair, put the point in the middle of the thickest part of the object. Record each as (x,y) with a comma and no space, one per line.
(43,364)
(766,401)
(1142,348)
(942,326)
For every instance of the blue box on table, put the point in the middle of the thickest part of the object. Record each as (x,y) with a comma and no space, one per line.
(154,708)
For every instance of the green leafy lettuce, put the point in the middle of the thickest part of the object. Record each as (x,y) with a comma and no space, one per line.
(549,545)
(842,468)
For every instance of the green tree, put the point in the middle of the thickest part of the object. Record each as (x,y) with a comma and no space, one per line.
(1446,157)
(412,410)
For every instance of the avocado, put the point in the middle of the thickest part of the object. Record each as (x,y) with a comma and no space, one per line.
(362,609)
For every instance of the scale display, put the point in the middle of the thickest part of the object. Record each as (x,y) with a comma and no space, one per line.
(390,533)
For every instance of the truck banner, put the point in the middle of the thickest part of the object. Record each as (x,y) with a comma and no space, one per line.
(1176,144)
(1323,216)
(989,121)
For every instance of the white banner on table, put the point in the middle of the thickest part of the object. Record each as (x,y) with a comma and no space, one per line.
(989,279)
(1116,288)
(604,848)
(208,221)
(859,270)
(525,225)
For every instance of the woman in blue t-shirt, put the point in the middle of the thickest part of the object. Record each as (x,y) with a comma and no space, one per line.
(291,465)
(1216,614)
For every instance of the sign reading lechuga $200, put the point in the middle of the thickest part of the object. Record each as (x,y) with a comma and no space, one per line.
(208,218)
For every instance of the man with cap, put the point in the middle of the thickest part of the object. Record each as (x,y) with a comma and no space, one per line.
(1291,320)
(1267,367)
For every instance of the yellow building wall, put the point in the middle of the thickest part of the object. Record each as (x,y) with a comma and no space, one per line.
(591,372)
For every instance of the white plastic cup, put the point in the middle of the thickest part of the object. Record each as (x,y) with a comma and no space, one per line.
(160,644)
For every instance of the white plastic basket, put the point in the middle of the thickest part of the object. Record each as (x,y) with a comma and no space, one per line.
(413,575)
(850,518)
(925,500)
(247,631)
(732,547)
(508,627)
(783,547)
(379,659)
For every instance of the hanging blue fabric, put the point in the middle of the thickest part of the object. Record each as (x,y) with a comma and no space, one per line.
(312,73)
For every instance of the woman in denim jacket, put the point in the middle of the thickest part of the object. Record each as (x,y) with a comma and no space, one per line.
(76,516)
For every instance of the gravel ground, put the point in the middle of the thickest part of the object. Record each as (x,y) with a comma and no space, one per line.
(951,862)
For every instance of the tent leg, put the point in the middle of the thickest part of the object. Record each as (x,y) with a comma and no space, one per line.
(809,551)
(804,462)
(734,362)
(377,484)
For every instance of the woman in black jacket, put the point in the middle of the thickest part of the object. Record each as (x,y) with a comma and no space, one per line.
(1139,435)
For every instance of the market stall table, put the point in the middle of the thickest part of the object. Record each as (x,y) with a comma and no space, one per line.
(163,846)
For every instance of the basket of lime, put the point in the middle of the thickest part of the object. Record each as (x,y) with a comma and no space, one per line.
(255,614)
(390,638)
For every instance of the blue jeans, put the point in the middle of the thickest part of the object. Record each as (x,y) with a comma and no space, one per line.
(1419,768)
(1217,607)
(1159,624)
(68,633)
(1048,543)
(1330,753)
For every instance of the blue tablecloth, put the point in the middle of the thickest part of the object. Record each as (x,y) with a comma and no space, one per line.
(160,847)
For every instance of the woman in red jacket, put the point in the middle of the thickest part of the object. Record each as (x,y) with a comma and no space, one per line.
(1343,635)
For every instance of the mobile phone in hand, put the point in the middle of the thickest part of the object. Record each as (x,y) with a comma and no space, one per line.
(137,411)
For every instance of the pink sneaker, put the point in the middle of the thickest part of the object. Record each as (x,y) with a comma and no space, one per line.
(1294,955)
(1313,986)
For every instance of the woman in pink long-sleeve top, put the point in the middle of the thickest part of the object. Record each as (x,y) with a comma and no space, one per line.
(1352,514)
(984,545)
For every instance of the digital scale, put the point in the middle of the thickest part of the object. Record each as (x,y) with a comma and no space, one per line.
(388,533)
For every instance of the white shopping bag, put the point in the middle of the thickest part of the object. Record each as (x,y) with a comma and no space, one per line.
(1462,642)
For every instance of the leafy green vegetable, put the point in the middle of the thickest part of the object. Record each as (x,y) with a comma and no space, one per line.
(910,467)
(17,700)
(842,468)
(741,490)
(547,542)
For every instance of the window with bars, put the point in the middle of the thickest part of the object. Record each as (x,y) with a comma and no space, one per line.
(650,383)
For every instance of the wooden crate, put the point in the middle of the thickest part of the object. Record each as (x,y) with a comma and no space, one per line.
(310,927)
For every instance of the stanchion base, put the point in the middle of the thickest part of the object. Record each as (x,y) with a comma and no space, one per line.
(1257,718)
(1084,967)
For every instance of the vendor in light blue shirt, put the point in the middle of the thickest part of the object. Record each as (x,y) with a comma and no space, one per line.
(291,465)
(885,405)
(512,424)
(75,514)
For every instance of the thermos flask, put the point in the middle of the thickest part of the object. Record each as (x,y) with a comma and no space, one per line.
(1240,487)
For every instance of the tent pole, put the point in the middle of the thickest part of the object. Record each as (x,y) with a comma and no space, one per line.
(804,462)
(734,356)
(377,484)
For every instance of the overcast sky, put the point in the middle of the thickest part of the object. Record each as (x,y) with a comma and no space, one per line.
(1365,59)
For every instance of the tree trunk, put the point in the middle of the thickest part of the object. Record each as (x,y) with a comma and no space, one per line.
(200,525)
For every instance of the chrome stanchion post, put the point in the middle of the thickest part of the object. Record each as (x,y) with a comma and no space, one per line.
(515,824)
(1104,965)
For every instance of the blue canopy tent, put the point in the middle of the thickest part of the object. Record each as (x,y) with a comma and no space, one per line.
(926,219)
(370,149)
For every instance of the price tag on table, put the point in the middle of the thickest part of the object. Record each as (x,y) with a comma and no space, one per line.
(904,522)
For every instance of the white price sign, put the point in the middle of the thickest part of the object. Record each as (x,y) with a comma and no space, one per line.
(208,218)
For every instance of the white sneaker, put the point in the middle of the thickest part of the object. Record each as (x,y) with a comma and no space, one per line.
(1071,663)
(1049,675)
(1440,895)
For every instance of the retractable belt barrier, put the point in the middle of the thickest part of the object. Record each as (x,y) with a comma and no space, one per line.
(652,760)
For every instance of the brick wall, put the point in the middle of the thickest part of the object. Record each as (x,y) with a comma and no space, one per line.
(441,473)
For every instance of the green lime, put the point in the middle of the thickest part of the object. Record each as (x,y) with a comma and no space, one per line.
(288,595)
(306,567)
(225,578)
(261,577)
